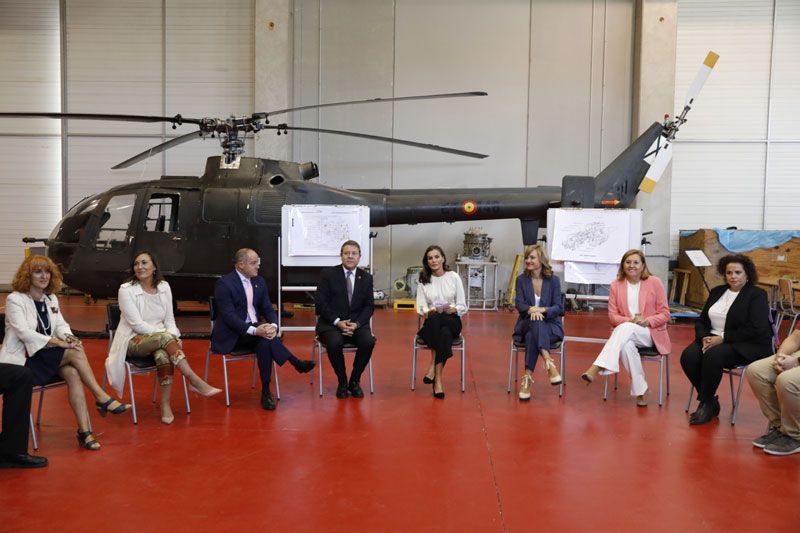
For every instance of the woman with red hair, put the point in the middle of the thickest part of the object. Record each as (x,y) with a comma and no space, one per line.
(38,337)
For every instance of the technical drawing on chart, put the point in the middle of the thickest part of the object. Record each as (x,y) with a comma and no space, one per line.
(590,235)
(587,237)
(319,231)
(324,234)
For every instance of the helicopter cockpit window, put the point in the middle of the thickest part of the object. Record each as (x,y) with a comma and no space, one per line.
(114,222)
(162,213)
(73,225)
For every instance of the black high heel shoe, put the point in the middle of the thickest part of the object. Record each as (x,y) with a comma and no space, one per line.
(90,444)
(102,407)
(427,381)
(438,395)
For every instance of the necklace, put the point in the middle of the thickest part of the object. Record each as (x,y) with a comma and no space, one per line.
(45,326)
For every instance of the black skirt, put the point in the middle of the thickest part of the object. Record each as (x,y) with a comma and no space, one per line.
(45,364)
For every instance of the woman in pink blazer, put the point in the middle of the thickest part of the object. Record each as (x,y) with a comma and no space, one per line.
(638,311)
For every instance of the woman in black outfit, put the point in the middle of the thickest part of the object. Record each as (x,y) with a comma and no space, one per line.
(733,329)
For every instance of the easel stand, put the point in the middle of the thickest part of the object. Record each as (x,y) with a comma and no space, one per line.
(700,260)
(702,277)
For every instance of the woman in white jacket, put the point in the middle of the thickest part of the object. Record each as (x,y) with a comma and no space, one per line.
(147,328)
(38,337)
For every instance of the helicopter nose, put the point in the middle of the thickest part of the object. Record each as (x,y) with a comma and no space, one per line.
(62,255)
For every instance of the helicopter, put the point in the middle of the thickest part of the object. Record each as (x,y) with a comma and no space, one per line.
(195,224)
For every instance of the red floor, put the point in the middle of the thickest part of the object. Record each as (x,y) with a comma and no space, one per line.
(403,461)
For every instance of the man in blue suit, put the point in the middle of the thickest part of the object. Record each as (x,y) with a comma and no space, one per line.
(241,299)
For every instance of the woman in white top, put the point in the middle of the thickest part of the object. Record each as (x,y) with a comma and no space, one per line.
(639,313)
(38,337)
(732,330)
(441,300)
(147,328)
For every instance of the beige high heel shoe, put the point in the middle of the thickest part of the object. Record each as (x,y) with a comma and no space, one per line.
(525,385)
(590,375)
(552,371)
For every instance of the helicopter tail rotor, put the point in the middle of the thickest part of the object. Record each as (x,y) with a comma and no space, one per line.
(659,154)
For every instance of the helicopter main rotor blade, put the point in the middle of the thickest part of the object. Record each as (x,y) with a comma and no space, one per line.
(435,147)
(177,119)
(158,149)
(368,101)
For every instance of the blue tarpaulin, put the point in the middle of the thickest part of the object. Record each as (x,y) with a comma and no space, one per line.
(741,240)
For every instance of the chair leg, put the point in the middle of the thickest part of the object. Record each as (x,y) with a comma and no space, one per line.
(510,367)
(133,396)
(730,382)
(319,364)
(738,398)
(33,432)
(39,409)
(463,360)
(371,383)
(689,401)
(667,357)
(605,387)
(277,382)
(225,379)
(563,369)
(186,396)
(414,364)
(661,381)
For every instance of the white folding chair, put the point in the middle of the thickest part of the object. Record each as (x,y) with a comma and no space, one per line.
(317,347)
(234,355)
(519,347)
(648,354)
(459,345)
(137,366)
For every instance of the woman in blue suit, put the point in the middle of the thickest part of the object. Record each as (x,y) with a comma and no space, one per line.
(538,300)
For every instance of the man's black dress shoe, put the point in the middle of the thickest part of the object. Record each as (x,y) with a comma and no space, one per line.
(21,460)
(341,392)
(715,405)
(267,401)
(703,415)
(355,390)
(304,365)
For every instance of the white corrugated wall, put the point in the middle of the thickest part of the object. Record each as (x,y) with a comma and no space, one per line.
(737,160)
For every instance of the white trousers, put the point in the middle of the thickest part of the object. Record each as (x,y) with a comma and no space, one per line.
(623,344)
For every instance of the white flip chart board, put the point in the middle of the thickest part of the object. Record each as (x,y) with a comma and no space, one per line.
(587,243)
(312,235)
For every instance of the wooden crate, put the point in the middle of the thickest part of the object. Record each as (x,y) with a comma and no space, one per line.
(766,261)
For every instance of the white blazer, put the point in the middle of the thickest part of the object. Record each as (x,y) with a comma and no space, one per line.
(22,340)
(131,304)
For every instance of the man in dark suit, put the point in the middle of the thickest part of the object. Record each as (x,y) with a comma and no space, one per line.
(344,303)
(16,382)
(241,298)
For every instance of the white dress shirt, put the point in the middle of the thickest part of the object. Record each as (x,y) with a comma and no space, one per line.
(446,288)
